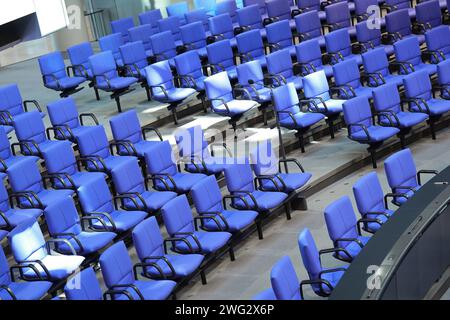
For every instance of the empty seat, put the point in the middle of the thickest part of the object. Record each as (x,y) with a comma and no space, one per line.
(285,283)
(12,105)
(361,126)
(55,77)
(364,10)
(279,36)
(117,270)
(290,115)
(438,43)
(249,18)
(402,176)
(161,82)
(221,58)
(444,79)
(198,15)
(164,172)
(151,250)
(308,27)
(172,25)
(322,280)
(122,26)
(348,81)
(35,259)
(280,67)
(164,47)
(393,5)
(221,27)
(339,47)
(129,182)
(31,133)
(344,230)
(103,210)
(376,69)
(227,6)
(64,223)
(428,15)
(209,5)
(369,38)
(408,57)
(250,46)
(107,78)
(338,17)
(151,17)
(112,42)
(178,10)
(261,5)
(67,124)
(371,202)
(142,33)
(309,58)
(278,10)
(83,286)
(7,158)
(398,26)
(193,36)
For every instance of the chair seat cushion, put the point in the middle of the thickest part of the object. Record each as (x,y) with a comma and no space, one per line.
(153,200)
(265,200)
(303,119)
(333,106)
(123,220)
(150,290)
(65,83)
(91,242)
(264,95)
(353,248)
(47,197)
(374,226)
(16,217)
(235,107)
(112,162)
(59,266)
(15,160)
(231,71)
(34,290)
(364,92)
(293,181)
(183,264)
(174,94)
(209,241)
(333,278)
(76,132)
(43,146)
(262,60)
(437,106)
(297,81)
(236,220)
(116,83)
(376,134)
(430,68)
(397,79)
(405,119)
(144,146)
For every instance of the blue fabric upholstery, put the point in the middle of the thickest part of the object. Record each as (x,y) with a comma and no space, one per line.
(279,35)
(220,55)
(309,27)
(250,18)
(142,33)
(79,58)
(151,17)
(338,17)
(428,13)
(221,27)
(376,67)
(227,6)
(112,43)
(171,24)
(444,78)
(409,55)
(279,65)
(178,10)
(198,15)
(189,68)
(285,283)
(251,77)
(250,46)
(122,26)
(193,36)
(438,42)
(309,57)
(348,79)
(164,48)
(370,38)
(134,57)
(398,26)
(7,159)
(83,286)
(339,47)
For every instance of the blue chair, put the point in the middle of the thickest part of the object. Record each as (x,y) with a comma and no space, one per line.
(96,151)
(35,259)
(438,43)
(312,5)
(67,124)
(290,115)
(398,27)
(279,35)
(227,6)
(83,286)
(240,182)
(362,10)
(309,58)
(444,79)
(12,105)
(198,15)
(318,98)
(280,67)
(32,136)
(376,69)
(371,201)
(209,5)
(122,280)
(112,42)
(12,290)
(185,238)
(250,47)
(208,203)
(151,249)
(164,47)
(285,283)
(344,230)
(269,174)
(221,27)
(122,26)
(103,210)
(309,27)
(171,24)
(408,57)
(64,223)
(193,36)
(129,181)
(221,58)
(361,126)
(178,10)
(338,17)
(165,174)
(7,158)
(128,136)
(226,100)
(151,17)
(107,78)
(249,18)
(348,81)
(393,5)
(418,94)
(279,10)
(389,110)
(161,83)
(142,33)
(261,5)
(403,177)
(340,48)
(370,38)
(29,189)
(322,280)
(199,157)
(79,58)
(428,16)
(55,76)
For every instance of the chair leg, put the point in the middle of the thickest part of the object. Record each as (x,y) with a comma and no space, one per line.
(174,115)
(264,112)
(302,142)
(97,95)
(205,107)
(432,129)
(402,141)
(287,208)
(147,91)
(203,276)
(174,296)
(260,231)
(373,156)
(119,107)
(231,252)
(331,126)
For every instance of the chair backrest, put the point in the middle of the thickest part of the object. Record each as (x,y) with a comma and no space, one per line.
(278,9)
(116,265)
(310,254)
(264,160)
(401,170)
(369,194)
(285,98)
(207,196)
(163,45)
(151,17)
(60,159)
(250,17)
(52,64)
(280,62)
(96,197)
(339,41)
(189,64)
(438,39)
(250,72)
(285,283)
(387,97)
(309,52)
(193,34)
(316,85)
(103,63)
(250,42)
(94,142)
(357,111)
(11,99)
(126,126)
(368,36)
(5,147)
(177,9)
(198,15)
(122,26)
(399,4)
(443,71)
(376,61)
(209,5)
(159,159)
(308,24)
(27,242)
(147,239)
(177,216)
(171,24)
(30,126)
(408,50)
(222,24)
(347,72)
(341,220)
(398,21)
(142,33)
(362,6)
(191,142)
(112,42)
(63,112)
(5,278)
(309,5)
(338,14)
(128,178)
(159,74)
(261,4)
(418,85)
(429,12)
(4,198)
(218,86)
(227,6)
(83,286)
(62,217)
(220,52)
(133,53)
(25,176)
(279,32)
(239,177)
